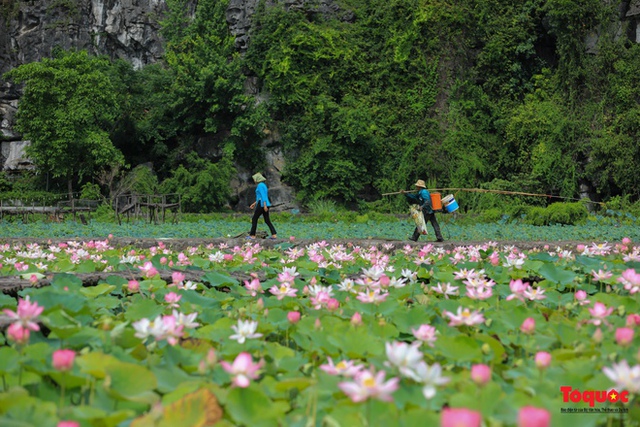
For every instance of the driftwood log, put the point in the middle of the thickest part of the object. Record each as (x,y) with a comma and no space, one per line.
(11,285)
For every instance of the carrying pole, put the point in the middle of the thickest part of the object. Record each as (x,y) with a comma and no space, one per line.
(397,192)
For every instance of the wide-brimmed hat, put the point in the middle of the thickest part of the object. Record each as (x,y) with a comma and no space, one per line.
(420,183)
(258,178)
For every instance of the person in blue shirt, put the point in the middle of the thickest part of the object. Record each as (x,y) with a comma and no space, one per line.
(423,199)
(261,206)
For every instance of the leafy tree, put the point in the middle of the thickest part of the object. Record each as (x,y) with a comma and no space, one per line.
(68,107)
(203,185)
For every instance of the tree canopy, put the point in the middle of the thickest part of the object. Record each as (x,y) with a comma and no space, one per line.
(463,93)
(67,110)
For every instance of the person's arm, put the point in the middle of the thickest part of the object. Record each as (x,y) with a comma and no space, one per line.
(426,199)
(412,198)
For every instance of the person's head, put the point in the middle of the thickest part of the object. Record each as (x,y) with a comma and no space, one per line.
(258,178)
(420,184)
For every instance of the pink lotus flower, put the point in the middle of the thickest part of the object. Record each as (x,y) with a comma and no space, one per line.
(253,286)
(293,317)
(177,277)
(528,326)
(333,304)
(624,336)
(543,359)
(172,299)
(372,296)
(581,297)
(62,360)
(534,294)
(369,384)
(517,289)
(18,333)
(445,289)
(633,320)
(601,275)
(494,259)
(464,317)
(133,286)
(625,376)
(460,417)
(26,313)
(425,333)
(243,369)
(284,290)
(631,280)
(480,374)
(148,270)
(600,312)
(68,424)
(348,368)
(530,416)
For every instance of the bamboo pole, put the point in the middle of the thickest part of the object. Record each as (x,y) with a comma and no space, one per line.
(398,192)
(515,193)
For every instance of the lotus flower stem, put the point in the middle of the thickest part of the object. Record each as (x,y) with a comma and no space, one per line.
(62,390)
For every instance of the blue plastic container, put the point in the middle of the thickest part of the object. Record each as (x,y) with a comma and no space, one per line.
(450,203)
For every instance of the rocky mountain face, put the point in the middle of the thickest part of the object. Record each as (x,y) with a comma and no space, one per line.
(32,30)
(120,29)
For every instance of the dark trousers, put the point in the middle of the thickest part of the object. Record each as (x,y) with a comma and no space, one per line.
(254,221)
(434,223)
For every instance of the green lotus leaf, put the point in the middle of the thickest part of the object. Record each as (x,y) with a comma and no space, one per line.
(9,360)
(216,279)
(16,406)
(118,381)
(62,325)
(250,406)
(98,290)
(460,348)
(95,363)
(143,309)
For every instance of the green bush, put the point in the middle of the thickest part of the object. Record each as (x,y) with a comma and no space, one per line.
(104,213)
(557,213)
(90,191)
(40,198)
(490,215)
(203,185)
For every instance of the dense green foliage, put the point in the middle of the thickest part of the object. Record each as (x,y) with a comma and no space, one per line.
(67,107)
(474,93)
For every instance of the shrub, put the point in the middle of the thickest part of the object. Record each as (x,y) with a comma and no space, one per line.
(557,213)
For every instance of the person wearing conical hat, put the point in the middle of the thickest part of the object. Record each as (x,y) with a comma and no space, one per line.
(261,206)
(423,199)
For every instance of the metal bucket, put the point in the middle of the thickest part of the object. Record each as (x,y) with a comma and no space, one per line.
(450,203)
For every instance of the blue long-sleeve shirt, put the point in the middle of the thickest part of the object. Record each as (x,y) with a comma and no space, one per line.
(262,195)
(422,198)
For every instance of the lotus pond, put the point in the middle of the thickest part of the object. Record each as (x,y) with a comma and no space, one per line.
(453,229)
(319,334)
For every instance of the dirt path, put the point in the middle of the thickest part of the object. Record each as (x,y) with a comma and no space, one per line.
(179,244)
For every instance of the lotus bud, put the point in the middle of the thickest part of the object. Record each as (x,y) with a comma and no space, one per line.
(543,359)
(528,326)
(624,336)
(597,336)
(486,348)
(356,319)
